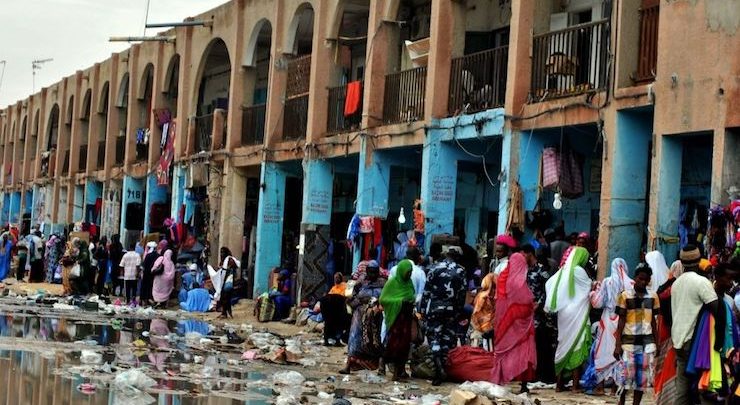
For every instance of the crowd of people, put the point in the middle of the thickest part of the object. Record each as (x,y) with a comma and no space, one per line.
(142,274)
(671,328)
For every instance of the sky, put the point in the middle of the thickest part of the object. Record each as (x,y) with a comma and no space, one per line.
(75,34)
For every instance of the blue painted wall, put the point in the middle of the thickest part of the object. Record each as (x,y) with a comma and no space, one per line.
(6,208)
(269,224)
(78,207)
(28,203)
(178,192)
(318,185)
(669,182)
(155,194)
(373,181)
(629,185)
(438,187)
(15,207)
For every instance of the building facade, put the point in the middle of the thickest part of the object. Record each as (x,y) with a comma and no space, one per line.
(270,126)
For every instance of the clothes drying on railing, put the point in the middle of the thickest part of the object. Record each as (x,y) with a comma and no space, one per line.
(353,98)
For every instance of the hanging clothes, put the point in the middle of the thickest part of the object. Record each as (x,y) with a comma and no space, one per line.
(353,98)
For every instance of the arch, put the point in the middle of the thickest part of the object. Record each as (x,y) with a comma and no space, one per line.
(53,131)
(122,99)
(301,24)
(261,29)
(172,76)
(104,95)
(70,111)
(215,56)
(86,106)
(146,82)
(335,24)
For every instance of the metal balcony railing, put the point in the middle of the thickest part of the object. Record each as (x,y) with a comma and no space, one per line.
(203,133)
(253,124)
(345,115)
(295,120)
(478,81)
(570,61)
(648,56)
(405,92)
(65,164)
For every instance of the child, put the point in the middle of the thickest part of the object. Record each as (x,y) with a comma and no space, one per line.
(635,345)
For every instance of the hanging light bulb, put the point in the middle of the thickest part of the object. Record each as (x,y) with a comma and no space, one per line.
(557,203)
(401,217)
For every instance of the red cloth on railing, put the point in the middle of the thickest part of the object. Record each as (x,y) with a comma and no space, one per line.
(352,100)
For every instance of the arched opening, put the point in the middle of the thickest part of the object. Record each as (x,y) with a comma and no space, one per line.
(171,82)
(300,42)
(122,111)
(85,130)
(408,52)
(257,61)
(34,139)
(213,91)
(48,156)
(345,93)
(103,124)
(144,107)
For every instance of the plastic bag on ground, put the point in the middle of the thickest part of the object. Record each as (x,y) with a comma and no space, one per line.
(133,378)
(494,392)
(288,378)
(90,357)
(128,388)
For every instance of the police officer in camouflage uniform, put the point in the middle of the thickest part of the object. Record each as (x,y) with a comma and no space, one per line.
(441,305)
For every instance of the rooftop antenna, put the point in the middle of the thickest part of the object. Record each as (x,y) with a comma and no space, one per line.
(36,65)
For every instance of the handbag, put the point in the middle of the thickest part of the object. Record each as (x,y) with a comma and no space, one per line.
(417,336)
(156,271)
(75,272)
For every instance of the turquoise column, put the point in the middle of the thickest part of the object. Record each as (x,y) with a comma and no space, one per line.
(155,194)
(178,192)
(318,185)
(270,212)
(629,185)
(438,186)
(15,207)
(78,205)
(373,179)
(669,186)
(503,200)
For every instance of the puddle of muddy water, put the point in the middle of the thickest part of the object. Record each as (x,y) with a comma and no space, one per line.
(46,359)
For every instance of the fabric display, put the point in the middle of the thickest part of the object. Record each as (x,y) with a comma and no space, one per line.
(707,363)
(163,115)
(142,136)
(563,171)
(167,155)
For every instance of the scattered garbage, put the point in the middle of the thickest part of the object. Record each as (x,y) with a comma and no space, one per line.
(87,388)
(371,377)
(249,355)
(493,392)
(90,357)
(129,388)
(288,378)
(64,307)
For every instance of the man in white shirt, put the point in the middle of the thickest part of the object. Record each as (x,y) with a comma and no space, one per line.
(689,294)
(131,261)
(418,277)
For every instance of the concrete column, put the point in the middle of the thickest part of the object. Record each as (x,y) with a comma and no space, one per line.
(725,164)
(78,202)
(73,140)
(276,82)
(112,128)
(15,207)
(372,182)
(519,71)
(628,195)
(185,109)
(318,184)
(178,191)
(237,94)
(438,186)
(322,71)
(376,63)
(269,224)
(666,181)
(158,101)
(447,16)
(133,110)
(233,206)
(509,161)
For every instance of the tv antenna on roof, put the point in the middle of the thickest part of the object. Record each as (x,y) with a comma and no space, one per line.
(36,65)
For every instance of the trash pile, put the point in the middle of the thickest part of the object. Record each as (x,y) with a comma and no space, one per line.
(299,349)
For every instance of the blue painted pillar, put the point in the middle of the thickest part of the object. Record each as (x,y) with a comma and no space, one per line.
(133,192)
(630,162)
(15,207)
(668,202)
(503,200)
(5,215)
(318,185)
(78,203)
(178,192)
(438,186)
(155,194)
(93,191)
(269,224)
(373,180)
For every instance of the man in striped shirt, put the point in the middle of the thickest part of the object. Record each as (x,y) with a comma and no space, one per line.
(635,345)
